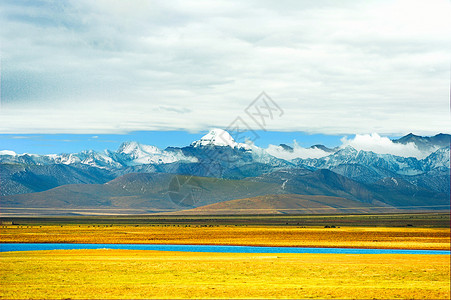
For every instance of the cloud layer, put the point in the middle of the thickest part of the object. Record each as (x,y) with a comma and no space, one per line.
(298,152)
(383,145)
(366,142)
(335,67)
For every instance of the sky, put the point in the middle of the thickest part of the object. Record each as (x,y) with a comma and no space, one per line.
(174,69)
(73,143)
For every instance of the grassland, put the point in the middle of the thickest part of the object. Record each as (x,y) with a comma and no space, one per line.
(428,220)
(113,274)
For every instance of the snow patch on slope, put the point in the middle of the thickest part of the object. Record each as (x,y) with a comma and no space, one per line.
(134,154)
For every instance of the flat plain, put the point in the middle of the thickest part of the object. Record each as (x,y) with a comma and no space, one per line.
(397,231)
(113,274)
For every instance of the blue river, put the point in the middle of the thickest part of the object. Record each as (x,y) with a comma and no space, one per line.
(5,247)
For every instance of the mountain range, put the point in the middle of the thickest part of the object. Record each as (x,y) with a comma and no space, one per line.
(216,169)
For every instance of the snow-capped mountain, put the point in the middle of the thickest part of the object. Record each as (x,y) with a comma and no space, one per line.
(440,159)
(217,154)
(92,158)
(425,143)
(369,167)
(349,155)
(219,137)
(135,154)
(215,137)
(219,145)
(128,154)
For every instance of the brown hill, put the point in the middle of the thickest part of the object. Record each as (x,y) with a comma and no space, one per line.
(287,204)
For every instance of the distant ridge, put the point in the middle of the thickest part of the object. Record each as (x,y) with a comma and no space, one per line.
(139,178)
(425,143)
(287,204)
(285,191)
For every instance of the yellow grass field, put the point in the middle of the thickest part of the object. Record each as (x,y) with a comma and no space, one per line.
(112,274)
(354,237)
(116,274)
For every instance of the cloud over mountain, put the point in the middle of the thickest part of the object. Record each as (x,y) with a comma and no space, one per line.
(366,142)
(296,152)
(335,67)
(383,145)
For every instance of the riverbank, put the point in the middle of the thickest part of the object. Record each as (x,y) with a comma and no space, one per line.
(288,236)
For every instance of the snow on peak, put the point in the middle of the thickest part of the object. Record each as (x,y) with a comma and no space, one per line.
(439,158)
(347,150)
(216,137)
(134,154)
(137,149)
(127,147)
(8,152)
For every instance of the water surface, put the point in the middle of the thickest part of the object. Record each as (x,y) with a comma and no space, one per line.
(211,248)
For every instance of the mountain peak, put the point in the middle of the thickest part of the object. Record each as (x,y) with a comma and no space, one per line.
(322,147)
(348,149)
(216,137)
(286,147)
(426,143)
(128,147)
(137,148)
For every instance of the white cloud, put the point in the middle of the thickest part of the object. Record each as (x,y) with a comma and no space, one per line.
(298,152)
(366,142)
(334,67)
(7,152)
(383,145)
